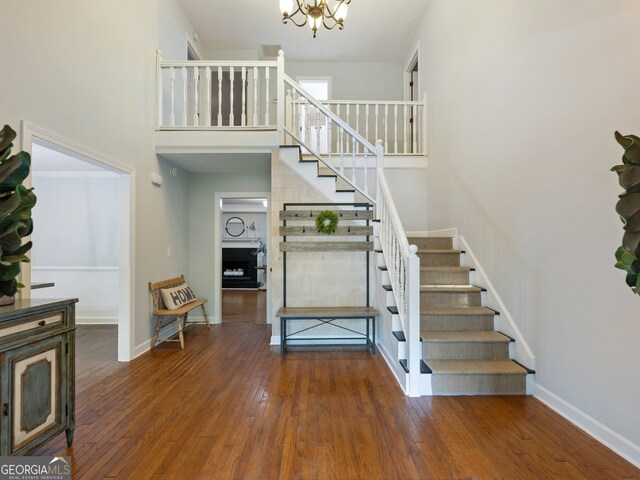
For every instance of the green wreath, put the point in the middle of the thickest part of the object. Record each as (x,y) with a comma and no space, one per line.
(326,222)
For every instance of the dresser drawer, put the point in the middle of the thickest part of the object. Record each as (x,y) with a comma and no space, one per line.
(33,324)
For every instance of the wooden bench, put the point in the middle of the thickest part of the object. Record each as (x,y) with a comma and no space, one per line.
(327,316)
(161,312)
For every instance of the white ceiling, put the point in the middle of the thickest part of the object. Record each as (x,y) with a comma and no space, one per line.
(220,162)
(375,30)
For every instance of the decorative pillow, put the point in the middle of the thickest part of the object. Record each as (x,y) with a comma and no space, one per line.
(177,297)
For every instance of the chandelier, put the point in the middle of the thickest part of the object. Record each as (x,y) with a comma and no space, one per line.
(316,13)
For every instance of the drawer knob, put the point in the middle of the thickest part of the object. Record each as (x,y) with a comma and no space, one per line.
(42,323)
(5,409)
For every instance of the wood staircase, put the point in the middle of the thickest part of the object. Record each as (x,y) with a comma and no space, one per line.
(462,353)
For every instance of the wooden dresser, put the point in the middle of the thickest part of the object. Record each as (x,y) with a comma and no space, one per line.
(37,380)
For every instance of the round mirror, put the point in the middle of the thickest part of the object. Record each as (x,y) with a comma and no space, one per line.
(234,227)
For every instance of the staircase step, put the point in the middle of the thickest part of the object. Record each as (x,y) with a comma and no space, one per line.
(444,275)
(388,288)
(393,310)
(466,345)
(405,365)
(432,243)
(450,295)
(456,318)
(477,377)
(399,334)
(430,257)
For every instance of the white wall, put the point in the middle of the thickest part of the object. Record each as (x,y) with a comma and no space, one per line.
(174,29)
(202,191)
(86,71)
(354,80)
(75,241)
(524,98)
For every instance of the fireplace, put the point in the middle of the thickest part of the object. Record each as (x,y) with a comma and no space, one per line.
(239,268)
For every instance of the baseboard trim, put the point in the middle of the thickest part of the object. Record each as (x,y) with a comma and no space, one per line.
(165,333)
(96,320)
(275,340)
(387,358)
(443,232)
(611,439)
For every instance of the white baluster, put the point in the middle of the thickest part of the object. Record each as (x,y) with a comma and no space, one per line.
(266,82)
(395,137)
(377,117)
(366,174)
(207,76)
(348,123)
(366,123)
(406,127)
(196,113)
(318,131)
(329,139)
(172,94)
(341,146)
(357,126)
(185,79)
(386,127)
(353,160)
(307,118)
(294,118)
(338,136)
(243,116)
(414,128)
(255,95)
(219,96)
(232,120)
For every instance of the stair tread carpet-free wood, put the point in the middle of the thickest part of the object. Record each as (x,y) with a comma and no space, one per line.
(229,407)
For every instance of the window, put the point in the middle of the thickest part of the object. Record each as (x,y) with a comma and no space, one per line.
(319,88)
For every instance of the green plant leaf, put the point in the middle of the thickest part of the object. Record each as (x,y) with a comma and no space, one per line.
(14,170)
(8,287)
(7,272)
(631,145)
(7,135)
(10,203)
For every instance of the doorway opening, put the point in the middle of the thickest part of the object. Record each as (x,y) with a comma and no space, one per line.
(82,246)
(412,84)
(242,240)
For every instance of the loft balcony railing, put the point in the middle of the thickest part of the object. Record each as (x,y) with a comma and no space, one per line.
(244,95)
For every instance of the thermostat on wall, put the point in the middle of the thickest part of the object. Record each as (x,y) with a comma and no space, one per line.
(156,179)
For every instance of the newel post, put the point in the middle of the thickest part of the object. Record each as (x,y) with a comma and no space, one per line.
(413,320)
(158,89)
(280,112)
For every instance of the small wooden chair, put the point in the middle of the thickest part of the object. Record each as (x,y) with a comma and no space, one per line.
(160,311)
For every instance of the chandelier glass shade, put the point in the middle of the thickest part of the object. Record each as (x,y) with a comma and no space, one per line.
(317,13)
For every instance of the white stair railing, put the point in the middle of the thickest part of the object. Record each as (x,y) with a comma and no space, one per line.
(208,95)
(403,267)
(400,123)
(310,124)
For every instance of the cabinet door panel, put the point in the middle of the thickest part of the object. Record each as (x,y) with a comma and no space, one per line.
(37,390)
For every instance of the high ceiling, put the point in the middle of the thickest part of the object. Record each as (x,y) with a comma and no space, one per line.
(375,30)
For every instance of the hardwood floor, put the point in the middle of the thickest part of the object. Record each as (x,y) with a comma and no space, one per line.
(244,306)
(228,406)
(96,354)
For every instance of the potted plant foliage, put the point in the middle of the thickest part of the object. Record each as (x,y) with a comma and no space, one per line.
(16,203)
